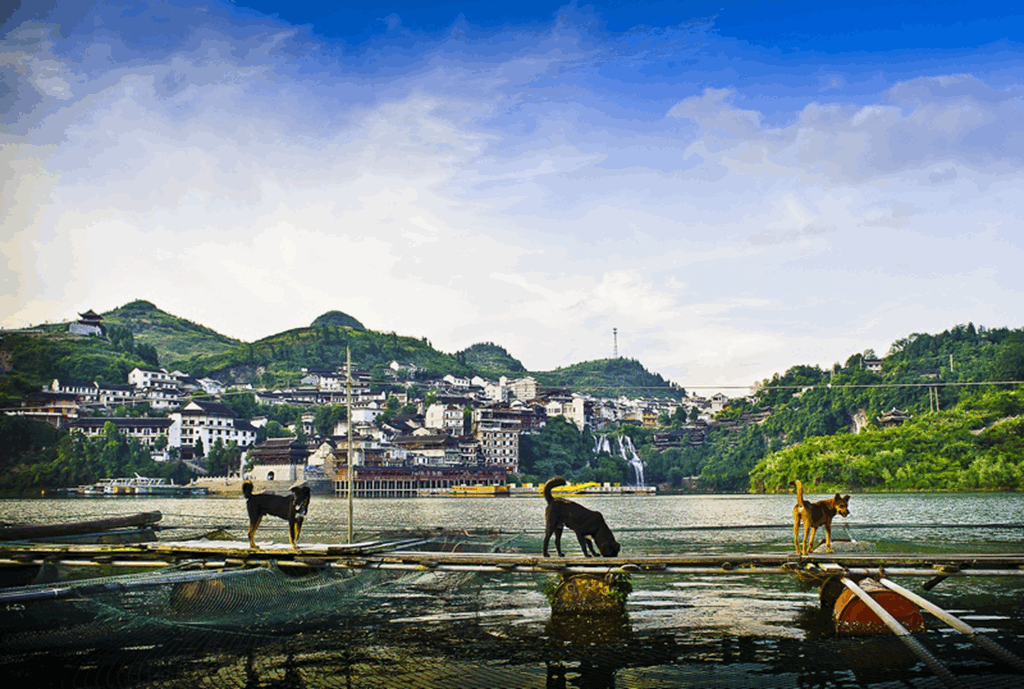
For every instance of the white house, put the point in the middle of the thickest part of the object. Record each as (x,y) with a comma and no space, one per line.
(447,417)
(210,422)
(718,402)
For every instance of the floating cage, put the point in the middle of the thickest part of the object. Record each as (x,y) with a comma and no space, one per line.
(588,594)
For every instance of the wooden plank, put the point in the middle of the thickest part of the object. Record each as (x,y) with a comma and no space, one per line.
(378,552)
(21,533)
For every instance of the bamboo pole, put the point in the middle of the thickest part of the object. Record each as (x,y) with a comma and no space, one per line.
(957,624)
(348,385)
(915,647)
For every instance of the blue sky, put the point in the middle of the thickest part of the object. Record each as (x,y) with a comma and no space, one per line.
(737,187)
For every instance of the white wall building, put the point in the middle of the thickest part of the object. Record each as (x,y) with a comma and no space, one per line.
(210,422)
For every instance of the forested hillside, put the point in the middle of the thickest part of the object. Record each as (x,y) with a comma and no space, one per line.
(491,361)
(923,375)
(610,378)
(277,361)
(173,338)
(976,445)
(140,334)
(31,361)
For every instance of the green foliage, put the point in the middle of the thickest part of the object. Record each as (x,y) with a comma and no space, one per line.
(223,459)
(171,338)
(35,360)
(22,439)
(491,360)
(326,418)
(275,429)
(1009,363)
(610,378)
(276,361)
(337,319)
(47,458)
(977,445)
(558,449)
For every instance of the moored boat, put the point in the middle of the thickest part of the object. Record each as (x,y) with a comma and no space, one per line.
(480,491)
(139,485)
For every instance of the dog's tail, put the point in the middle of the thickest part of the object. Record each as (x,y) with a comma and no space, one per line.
(799,492)
(247,489)
(552,482)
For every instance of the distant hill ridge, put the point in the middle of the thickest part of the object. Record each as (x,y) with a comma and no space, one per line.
(277,360)
(175,338)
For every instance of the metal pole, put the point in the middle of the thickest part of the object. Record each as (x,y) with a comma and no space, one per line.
(957,624)
(940,670)
(348,385)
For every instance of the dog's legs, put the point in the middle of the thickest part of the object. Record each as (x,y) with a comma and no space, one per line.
(796,532)
(558,541)
(253,525)
(828,538)
(547,537)
(584,543)
(809,542)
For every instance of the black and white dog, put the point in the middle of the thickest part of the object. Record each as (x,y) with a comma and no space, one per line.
(292,507)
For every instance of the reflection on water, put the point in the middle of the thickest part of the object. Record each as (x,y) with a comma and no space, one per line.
(426,629)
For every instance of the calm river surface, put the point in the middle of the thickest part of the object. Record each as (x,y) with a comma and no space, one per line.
(478,630)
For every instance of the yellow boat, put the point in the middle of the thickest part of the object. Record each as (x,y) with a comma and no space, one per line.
(573,488)
(480,491)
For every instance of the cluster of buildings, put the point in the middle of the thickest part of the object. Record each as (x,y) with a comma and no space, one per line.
(466,431)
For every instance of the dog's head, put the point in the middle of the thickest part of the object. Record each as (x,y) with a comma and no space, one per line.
(609,548)
(842,504)
(300,500)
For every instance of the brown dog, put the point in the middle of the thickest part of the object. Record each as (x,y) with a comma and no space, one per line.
(589,525)
(813,515)
(292,507)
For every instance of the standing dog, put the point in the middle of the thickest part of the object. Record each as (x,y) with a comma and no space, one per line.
(292,507)
(589,525)
(815,514)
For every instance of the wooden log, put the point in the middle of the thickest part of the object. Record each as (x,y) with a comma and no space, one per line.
(28,532)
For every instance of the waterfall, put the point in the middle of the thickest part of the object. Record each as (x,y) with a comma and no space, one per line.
(627,451)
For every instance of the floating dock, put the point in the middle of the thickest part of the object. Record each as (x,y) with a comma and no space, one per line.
(398,554)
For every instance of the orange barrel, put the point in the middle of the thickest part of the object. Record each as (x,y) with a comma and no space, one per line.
(852,616)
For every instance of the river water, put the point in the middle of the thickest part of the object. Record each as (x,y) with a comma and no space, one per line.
(479,630)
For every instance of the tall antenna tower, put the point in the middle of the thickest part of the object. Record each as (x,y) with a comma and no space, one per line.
(615,339)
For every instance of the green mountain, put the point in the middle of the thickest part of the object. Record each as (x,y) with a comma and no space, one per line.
(807,406)
(278,360)
(140,334)
(610,378)
(30,361)
(491,361)
(338,320)
(173,338)
(976,445)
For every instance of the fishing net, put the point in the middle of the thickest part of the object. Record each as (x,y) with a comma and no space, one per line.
(284,626)
(155,604)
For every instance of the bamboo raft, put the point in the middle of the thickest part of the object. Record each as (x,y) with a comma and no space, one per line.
(586,580)
(399,555)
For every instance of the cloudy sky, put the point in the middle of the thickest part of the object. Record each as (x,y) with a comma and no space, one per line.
(737,187)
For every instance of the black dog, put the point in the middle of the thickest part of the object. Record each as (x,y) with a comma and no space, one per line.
(589,525)
(292,507)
